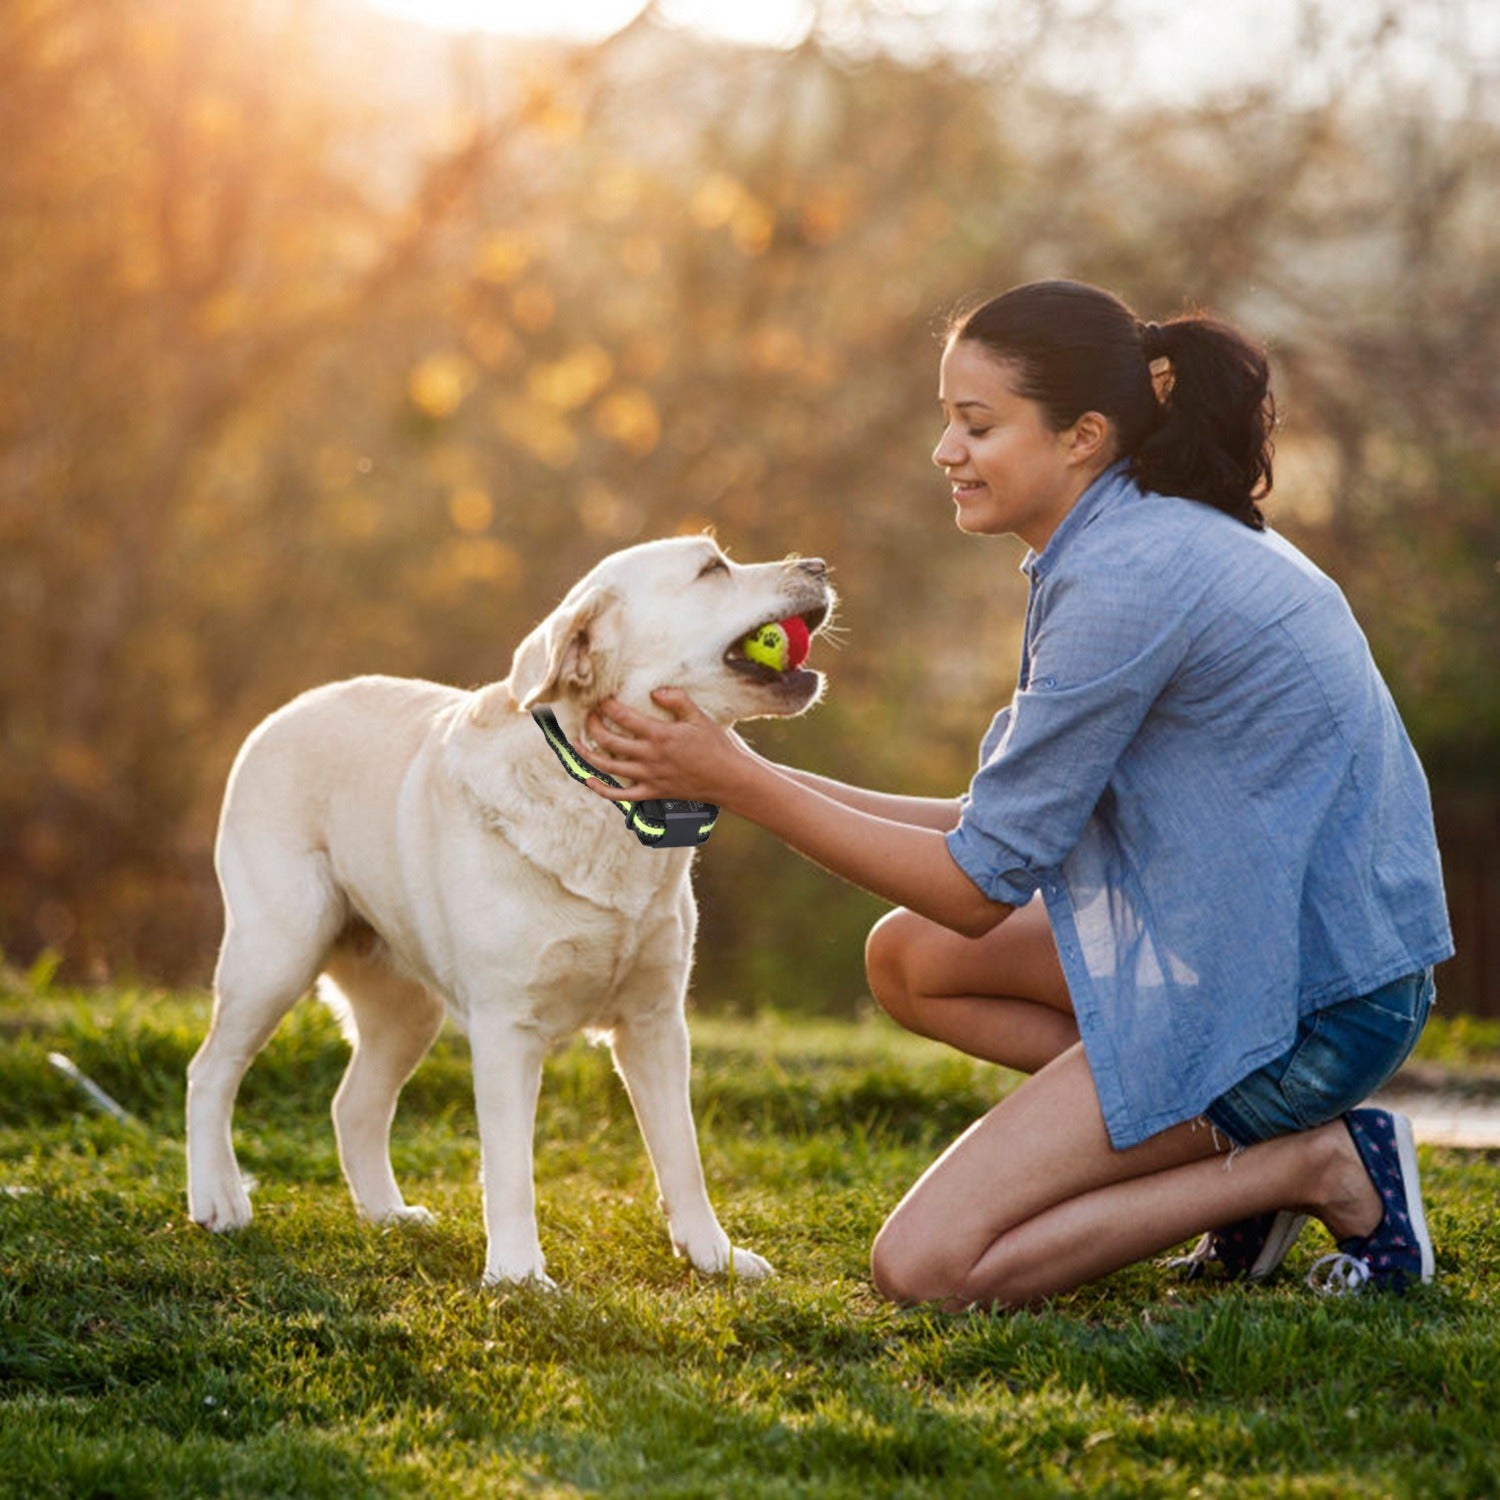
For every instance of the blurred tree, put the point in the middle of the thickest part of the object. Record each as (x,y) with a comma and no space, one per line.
(328,347)
(179,231)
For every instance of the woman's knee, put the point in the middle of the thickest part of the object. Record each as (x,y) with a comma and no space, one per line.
(903,1269)
(888,962)
(909,1267)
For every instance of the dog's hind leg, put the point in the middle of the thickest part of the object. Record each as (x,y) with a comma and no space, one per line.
(277,931)
(392,1020)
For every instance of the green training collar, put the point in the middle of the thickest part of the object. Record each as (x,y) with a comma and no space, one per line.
(660,822)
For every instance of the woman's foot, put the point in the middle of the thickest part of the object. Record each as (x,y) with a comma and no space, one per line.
(1250,1248)
(1395,1251)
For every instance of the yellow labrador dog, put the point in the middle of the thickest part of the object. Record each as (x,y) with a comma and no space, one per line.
(422,849)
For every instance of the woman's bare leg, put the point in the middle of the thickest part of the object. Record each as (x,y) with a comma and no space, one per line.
(1033,1200)
(1001,997)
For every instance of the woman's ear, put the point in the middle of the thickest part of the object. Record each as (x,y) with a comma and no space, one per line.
(1090,438)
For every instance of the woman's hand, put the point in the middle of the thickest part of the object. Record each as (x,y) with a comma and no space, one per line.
(690,757)
(687,756)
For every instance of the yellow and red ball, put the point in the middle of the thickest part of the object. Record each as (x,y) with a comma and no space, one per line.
(781,645)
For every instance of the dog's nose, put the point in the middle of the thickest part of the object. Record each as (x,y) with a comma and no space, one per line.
(814,567)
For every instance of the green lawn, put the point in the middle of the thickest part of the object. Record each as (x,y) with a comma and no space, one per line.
(314,1355)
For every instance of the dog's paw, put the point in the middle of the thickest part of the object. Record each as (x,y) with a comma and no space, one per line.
(733,1261)
(535,1278)
(408,1213)
(746,1265)
(221,1206)
(511,1261)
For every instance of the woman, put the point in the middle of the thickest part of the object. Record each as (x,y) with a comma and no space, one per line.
(1193,887)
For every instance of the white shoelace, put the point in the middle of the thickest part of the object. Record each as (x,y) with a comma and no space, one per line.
(1192,1264)
(1338,1275)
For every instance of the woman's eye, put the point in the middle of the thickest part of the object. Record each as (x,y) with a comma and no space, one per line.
(976,432)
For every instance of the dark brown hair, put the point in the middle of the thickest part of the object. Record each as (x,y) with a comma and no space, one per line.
(1201,428)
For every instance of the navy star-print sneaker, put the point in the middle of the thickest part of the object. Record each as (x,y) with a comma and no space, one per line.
(1250,1248)
(1399,1252)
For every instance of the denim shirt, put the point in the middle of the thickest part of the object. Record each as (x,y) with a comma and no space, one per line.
(1205,776)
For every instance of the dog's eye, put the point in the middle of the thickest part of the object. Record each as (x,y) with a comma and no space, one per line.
(713,565)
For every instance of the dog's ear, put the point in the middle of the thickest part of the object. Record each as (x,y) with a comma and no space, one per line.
(564,653)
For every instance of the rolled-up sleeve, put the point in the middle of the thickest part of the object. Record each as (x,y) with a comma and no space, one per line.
(1099,657)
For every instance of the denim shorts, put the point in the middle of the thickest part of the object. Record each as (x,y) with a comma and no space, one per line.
(1340,1056)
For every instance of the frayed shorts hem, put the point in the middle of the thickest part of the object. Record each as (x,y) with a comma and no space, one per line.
(1340,1056)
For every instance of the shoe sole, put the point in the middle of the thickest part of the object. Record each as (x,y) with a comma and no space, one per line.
(1406,1156)
(1280,1238)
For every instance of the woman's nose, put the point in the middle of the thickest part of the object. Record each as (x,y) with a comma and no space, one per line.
(948,453)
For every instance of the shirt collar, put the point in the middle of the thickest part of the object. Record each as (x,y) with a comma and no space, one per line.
(1105,489)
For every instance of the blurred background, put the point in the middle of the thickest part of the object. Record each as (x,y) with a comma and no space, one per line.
(334,341)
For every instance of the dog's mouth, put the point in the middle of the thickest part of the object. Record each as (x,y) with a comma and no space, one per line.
(763,672)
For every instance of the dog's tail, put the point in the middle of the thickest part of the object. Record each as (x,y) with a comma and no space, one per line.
(339,1003)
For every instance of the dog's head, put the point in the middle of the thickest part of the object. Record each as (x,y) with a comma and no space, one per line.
(674,613)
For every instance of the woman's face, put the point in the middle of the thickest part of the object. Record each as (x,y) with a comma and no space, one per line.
(1009,470)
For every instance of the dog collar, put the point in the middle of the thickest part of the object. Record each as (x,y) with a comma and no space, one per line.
(659,822)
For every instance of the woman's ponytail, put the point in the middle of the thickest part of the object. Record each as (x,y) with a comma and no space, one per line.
(1190,399)
(1212,439)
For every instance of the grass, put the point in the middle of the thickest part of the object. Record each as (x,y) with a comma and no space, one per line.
(314,1355)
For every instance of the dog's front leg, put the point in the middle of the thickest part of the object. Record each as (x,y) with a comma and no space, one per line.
(507,1076)
(652,1053)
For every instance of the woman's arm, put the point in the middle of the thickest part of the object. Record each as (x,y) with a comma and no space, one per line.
(689,756)
(940,813)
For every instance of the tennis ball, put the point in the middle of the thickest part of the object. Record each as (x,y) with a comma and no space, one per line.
(781,645)
(769,647)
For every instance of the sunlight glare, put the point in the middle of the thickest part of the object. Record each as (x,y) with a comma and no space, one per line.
(776,23)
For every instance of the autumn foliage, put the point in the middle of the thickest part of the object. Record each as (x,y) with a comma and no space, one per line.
(327,347)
